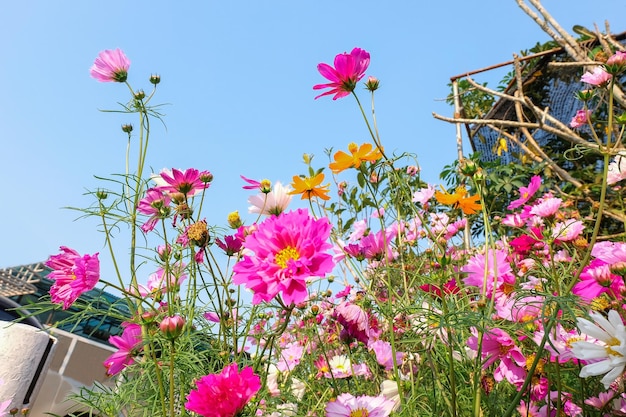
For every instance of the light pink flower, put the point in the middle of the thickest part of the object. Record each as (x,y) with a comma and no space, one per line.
(568,230)
(597,77)
(525,193)
(272,203)
(348,71)
(110,66)
(617,169)
(384,354)
(283,254)
(290,357)
(128,345)
(547,207)
(423,195)
(581,118)
(618,58)
(224,394)
(73,275)
(347,405)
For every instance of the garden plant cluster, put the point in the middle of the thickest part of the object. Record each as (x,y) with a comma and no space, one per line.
(381,295)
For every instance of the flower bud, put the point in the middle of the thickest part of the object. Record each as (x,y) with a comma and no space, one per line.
(372,83)
(127,128)
(616,64)
(619,268)
(585,95)
(172,326)
(13,411)
(102,194)
(140,95)
(234,221)
(307,158)
(155,79)
(265,186)
(206,177)
(468,167)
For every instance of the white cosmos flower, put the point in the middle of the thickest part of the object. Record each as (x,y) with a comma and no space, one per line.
(607,355)
(272,203)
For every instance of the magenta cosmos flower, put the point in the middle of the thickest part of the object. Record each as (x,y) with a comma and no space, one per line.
(283,254)
(111,65)
(488,270)
(73,275)
(525,193)
(348,71)
(187,182)
(224,394)
(128,345)
(156,205)
(347,405)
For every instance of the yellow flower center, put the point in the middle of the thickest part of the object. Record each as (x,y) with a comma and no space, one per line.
(359,412)
(285,255)
(609,347)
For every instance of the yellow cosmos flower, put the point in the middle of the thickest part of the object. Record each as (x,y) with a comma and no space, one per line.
(310,187)
(358,155)
(469,205)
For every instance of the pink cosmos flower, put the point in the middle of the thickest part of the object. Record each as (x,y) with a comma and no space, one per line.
(283,254)
(581,118)
(73,275)
(384,354)
(348,71)
(156,205)
(110,66)
(423,195)
(488,271)
(290,356)
(128,345)
(224,394)
(187,182)
(567,230)
(547,207)
(498,345)
(157,284)
(617,169)
(347,405)
(354,320)
(525,193)
(597,77)
(231,244)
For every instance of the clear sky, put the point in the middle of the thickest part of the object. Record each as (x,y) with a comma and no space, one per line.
(238,76)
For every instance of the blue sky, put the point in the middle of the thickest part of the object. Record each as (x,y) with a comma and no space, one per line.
(238,76)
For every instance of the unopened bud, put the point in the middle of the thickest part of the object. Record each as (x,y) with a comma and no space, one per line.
(372,83)
(585,95)
(172,326)
(265,186)
(234,220)
(155,79)
(127,128)
(140,95)
(102,195)
(206,177)
(468,167)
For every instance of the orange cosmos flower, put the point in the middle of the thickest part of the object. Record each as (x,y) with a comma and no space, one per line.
(359,154)
(469,205)
(310,187)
